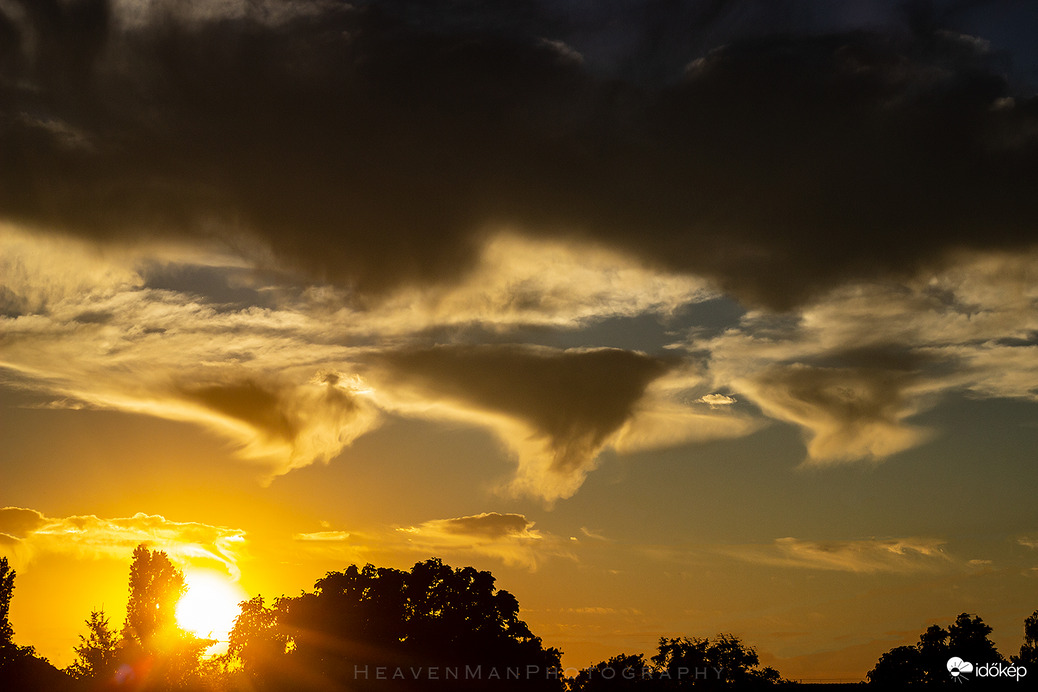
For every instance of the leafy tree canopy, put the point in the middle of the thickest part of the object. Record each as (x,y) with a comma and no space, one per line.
(723,662)
(388,629)
(926,662)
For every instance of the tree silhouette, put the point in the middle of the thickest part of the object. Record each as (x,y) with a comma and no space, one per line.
(96,653)
(968,639)
(926,662)
(382,628)
(1029,649)
(155,653)
(7,647)
(155,587)
(934,653)
(256,641)
(722,662)
(20,668)
(10,653)
(620,673)
(900,667)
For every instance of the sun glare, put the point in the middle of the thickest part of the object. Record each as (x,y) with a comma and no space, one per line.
(210,605)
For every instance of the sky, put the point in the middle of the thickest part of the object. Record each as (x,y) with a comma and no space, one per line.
(679,317)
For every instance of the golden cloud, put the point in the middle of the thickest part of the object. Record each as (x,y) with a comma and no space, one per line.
(91,536)
(854,367)
(864,555)
(508,537)
(323,536)
(294,375)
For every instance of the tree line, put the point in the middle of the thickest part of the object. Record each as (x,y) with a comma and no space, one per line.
(433,627)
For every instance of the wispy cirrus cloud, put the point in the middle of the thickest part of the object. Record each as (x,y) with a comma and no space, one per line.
(323,536)
(860,555)
(505,536)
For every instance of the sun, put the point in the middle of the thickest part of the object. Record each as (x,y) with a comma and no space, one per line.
(209,606)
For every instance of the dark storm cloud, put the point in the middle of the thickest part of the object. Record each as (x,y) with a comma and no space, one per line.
(377,143)
(576,399)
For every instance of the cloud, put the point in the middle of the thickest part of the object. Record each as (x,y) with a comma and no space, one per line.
(853,368)
(866,555)
(432,184)
(161,330)
(93,537)
(592,534)
(716,400)
(292,425)
(557,409)
(601,610)
(17,522)
(378,146)
(508,537)
(522,281)
(851,413)
(324,536)
(667,417)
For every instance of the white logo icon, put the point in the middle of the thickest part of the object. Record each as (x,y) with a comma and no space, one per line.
(957,667)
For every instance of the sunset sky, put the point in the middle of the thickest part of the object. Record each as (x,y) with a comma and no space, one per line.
(679,317)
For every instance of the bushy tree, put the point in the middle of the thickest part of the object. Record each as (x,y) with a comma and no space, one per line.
(902,666)
(10,652)
(20,668)
(721,662)
(256,642)
(155,587)
(968,639)
(7,646)
(620,673)
(1029,649)
(96,653)
(926,662)
(155,653)
(418,623)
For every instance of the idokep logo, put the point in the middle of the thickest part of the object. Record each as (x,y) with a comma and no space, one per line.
(960,670)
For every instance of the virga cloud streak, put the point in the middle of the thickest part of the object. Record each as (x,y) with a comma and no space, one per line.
(853,368)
